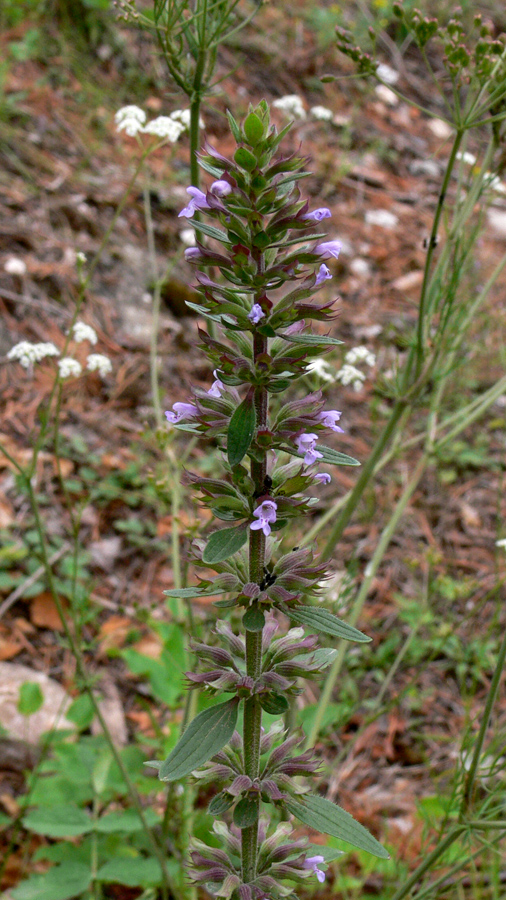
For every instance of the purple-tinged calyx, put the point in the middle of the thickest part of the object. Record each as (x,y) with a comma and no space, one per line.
(181,411)
(324,274)
(256,313)
(323,478)
(306,444)
(329,417)
(328,249)
(318,214)
(197,201)
(312,862)
(192,253)
(266,516)
(220,188)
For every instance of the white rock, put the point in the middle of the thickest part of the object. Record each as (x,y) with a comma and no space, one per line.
(50,715)
(381,217)
(440,129)
(497,220)
(15,266)
(386,95)
(360,266)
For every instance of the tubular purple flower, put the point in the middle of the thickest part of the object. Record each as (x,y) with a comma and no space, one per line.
(318,214)
(220,188)
(327,249)
(306,444)
(256,313)
(323,275)
(329,417)
(198,201)
(192,253)
(323,478)
(217,386)
(266,514)
(181,411)
(312,862)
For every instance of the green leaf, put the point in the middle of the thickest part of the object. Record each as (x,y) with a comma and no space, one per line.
(253,129)
(246,812)
(329,853)
(220,803)
(70,879)
(323,815)
(234,127)
(58,821)
(324,622)
(254,619)
(240,431)
(128,820)
(211,231)
(261,240)
(189,593)
(30,699)
(133,872)
(245,159)
(81,711)
(224,543)
(310,339)
(334,458)
(205,735)
(274,704)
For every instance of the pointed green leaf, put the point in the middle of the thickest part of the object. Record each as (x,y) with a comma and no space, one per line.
(310,339)
(334,458)
(220,804)
(246,812)
(224,543)
(274,704)
(241,430)
(323,815)
(254,619)
(211,231)
(205,735)
(131,871)
(70,879)
(189,593)
(245,159)
(59,821)
(324,622)
(234,127)
(253,129)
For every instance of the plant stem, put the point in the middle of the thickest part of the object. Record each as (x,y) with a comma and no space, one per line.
(429,861)
(252,708)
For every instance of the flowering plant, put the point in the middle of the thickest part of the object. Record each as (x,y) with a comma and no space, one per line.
(272,260)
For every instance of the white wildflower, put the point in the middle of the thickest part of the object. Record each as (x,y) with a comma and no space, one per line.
(322,112)
(184,116)
(80,257)
(467,158)
(27,354)
(165,127)
(15,266)
(321,369)
(387,74)
(97,362)
(69,367)
(292,105)
(130,119)
(386,95)
(188,237)
(501,543)
(351,375)
(360,354)
(82,332)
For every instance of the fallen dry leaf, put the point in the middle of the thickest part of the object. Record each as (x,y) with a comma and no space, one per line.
(44,614)
(114,632)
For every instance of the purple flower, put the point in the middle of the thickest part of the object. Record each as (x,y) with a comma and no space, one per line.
(256,313)
(181,411)
(198,201)
(266,514)
(318,214)
(323,275)
(328,249)
(306,444)
(312,862)
(192,253)
(221,188)
(329,417)
(217,386)
(323,478)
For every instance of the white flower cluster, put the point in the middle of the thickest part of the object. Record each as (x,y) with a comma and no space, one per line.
(292,105)
(132,120)
(82,332)
(501,543)
(321,369)
(69,367)
(97,362)
(492,181)
(27,353)
(322,113)
(349,374)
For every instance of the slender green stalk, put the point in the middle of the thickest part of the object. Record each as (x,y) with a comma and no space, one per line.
(469,783)
(429,861)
